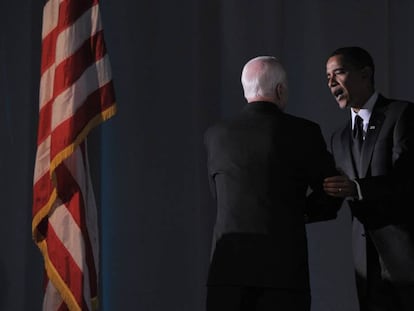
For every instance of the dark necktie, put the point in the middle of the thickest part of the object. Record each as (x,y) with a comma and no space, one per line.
(357,140)
(358,133)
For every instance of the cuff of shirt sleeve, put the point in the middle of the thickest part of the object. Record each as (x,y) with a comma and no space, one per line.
(358,190)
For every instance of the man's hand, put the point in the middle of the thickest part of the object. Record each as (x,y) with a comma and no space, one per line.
(340,187)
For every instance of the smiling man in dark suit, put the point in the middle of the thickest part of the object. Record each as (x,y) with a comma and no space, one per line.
(261,165)
(374,149)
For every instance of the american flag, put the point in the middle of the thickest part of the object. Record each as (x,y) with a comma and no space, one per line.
(76,94)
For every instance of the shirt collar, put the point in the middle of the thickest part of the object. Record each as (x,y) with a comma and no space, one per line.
(366,110)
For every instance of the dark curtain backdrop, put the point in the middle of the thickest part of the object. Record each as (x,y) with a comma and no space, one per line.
(176,69)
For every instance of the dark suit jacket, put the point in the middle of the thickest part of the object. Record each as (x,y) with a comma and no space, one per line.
(387,166)
(260,165)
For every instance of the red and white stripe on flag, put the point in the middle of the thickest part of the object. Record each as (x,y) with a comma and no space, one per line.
(76,94)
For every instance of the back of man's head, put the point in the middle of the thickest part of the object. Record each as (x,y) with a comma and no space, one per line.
(260,77)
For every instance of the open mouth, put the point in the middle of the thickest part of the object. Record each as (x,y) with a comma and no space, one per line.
(338,94)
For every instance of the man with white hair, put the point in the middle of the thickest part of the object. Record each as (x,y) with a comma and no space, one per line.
(261,165)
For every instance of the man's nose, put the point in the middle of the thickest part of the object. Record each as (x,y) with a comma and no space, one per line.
(332,81)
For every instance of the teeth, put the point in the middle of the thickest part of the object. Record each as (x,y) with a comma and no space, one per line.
(338,94)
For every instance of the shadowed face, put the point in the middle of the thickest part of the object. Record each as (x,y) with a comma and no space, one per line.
(351,87)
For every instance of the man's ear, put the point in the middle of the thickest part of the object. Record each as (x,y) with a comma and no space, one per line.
(279,91)
(367,72)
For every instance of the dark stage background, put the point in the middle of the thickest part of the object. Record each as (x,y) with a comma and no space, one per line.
(176,69)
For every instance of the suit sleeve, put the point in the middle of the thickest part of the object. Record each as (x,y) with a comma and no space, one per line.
(320,164)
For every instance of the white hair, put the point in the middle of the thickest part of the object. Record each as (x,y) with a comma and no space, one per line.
(261,75)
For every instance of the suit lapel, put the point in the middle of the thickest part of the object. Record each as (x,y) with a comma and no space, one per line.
(374,127)
(346,153)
